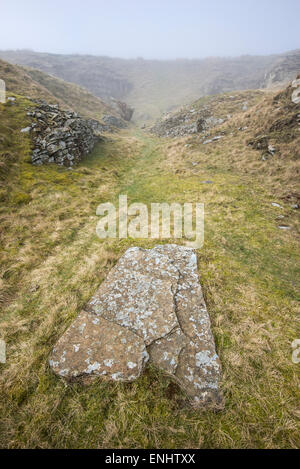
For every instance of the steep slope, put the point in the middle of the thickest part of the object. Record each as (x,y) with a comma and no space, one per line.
(74,96)
(263,139)
(152,86)
(19,82)
(39,85)
(283,71)
(96,74)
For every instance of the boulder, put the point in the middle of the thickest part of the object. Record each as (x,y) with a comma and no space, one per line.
(113,121)
(150,307)
(123,109)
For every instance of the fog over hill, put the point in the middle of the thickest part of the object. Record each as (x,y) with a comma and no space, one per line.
(156,86)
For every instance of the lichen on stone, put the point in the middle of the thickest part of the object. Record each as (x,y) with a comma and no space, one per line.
(150,307)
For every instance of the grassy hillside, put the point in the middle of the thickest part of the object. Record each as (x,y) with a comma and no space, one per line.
(271,120)
(52,262)
(72,95)
(39,85)
(19,82)
(152,86)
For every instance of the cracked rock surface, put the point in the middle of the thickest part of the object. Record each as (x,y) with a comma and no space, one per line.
(150,307)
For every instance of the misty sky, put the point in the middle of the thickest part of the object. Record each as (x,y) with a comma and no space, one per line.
(151,28)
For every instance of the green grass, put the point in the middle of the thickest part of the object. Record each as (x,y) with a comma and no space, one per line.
(52,262)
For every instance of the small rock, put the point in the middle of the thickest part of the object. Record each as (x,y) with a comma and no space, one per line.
(26,130)
(217,138)
(275,204)
(271,149)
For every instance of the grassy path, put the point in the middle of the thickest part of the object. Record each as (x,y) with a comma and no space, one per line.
(52,262)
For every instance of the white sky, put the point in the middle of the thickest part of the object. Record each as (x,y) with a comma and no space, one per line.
(151,28)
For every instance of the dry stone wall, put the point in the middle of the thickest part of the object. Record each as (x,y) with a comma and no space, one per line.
(61,137)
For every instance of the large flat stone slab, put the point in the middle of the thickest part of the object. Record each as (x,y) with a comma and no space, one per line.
(150,306)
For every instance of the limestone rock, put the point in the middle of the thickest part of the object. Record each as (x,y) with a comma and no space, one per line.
(125,111)
(113,121)
(150,305)
(93,346)
(138,294)
(26,130)
(165,352)
(186,122)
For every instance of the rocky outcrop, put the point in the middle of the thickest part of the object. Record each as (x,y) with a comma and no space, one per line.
(283,123)
(60,137)
(150,307)
(285,70)
(185,123)
(125,111)
(112,122)
(205,114)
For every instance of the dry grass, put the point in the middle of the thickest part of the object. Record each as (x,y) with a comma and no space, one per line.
(52,262)
(72,96)
(271,115)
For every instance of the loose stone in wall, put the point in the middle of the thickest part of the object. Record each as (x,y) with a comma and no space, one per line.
(61,137)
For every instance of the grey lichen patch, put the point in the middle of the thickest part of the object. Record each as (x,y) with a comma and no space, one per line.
(98,349)
(165,352)
(134,300)
(150,305)
(199,373)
